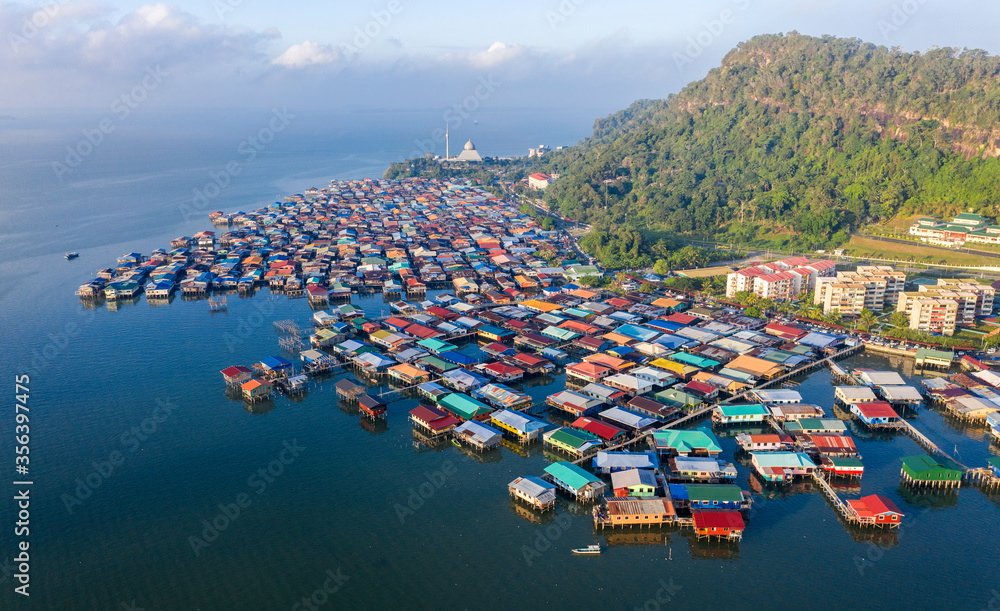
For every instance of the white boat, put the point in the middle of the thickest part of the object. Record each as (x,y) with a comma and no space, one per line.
(72,255)
(590,549)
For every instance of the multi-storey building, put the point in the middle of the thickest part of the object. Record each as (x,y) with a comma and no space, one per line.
(841,297)
(875,287)
(984,293)
(939,308)
(929,314)
(784,279)
(966,227)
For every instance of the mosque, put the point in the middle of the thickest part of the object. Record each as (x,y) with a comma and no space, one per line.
(469,153)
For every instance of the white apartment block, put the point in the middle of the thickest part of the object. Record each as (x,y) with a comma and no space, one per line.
(877,286)
(784,279)
(929,314)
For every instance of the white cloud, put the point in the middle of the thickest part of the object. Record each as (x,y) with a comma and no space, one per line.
(80,38)
(497,54)
(86,56)
(307,54)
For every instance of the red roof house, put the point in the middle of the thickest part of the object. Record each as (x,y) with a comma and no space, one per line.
(875,509)
(602,429)
(728,524)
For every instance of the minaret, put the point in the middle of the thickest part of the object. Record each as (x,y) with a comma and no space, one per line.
(446,141)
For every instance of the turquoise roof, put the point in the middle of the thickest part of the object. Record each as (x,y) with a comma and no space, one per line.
(781,460)
(436,345)
(464,406)
(742,410)
(573,476)
(691,359)
(686,441)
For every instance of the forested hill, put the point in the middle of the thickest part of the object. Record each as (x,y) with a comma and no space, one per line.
(793,137)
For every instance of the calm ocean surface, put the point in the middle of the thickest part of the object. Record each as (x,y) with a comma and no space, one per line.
(100,375)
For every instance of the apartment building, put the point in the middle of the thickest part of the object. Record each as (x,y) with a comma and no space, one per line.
(930,314)
(984,293)
(785,279)
(876,287)
(842,297)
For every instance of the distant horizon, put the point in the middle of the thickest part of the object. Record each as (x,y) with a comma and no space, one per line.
(487,106)
(230,54)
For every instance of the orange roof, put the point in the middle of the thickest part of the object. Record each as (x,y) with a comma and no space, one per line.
(860,508)
(408,370)
(543,306)
(588,369)
(753,365)
(664,302)
(609,361)
(618,338)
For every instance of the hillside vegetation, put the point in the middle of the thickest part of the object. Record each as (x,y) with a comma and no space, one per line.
(794,141)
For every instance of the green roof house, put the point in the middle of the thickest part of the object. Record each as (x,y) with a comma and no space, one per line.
(932,471)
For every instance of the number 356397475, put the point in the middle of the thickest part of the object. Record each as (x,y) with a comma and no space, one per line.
(21,429)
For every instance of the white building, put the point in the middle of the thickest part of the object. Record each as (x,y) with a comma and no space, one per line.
(540,181)
(784,279)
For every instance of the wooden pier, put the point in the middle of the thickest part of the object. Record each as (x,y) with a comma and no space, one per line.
(701,412)
(923,441)
(217,304)
(403,389)
(835,500)
(841,376)
(984,478)
(291,343)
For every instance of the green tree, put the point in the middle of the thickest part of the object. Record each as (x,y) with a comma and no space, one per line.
(867,318)
(783,153)
(899,319)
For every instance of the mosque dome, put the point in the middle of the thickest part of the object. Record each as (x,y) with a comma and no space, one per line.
(469,146)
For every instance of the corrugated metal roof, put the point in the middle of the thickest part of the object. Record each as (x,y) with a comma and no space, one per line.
(617,414)
(573,476)
(535,487)
(634,460)
(478,433)
(723,493)
(781,460)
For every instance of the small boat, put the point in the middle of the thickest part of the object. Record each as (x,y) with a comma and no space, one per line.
(590,549)
(455,441)
(72,255)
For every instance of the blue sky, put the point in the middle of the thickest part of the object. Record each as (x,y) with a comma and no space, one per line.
(416,53)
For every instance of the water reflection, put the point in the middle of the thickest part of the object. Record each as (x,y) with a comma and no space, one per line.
(375,427)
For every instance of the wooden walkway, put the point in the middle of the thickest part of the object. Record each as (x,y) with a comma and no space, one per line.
(774,424)
(393,391)
(831,495)
(801,370)
(620,446)
(983,478)
(926,443)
